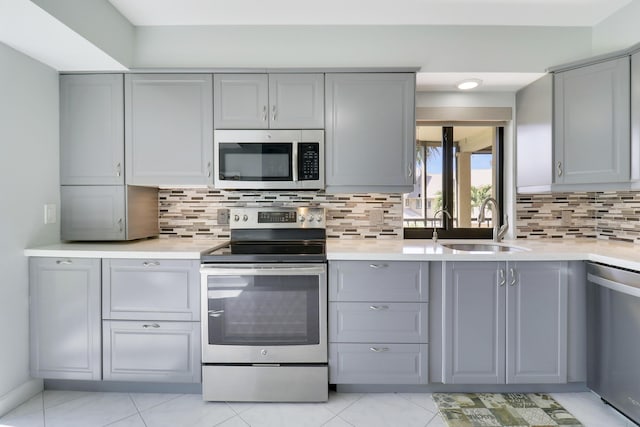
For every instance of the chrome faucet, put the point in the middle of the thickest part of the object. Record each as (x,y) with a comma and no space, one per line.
(498,232)
(435,216)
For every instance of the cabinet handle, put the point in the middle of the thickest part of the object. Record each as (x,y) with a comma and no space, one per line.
(559,168)
(376,266)
(64,262)
(410,171)
(118,169)
(209,170)
(273,113)
(379,349)
(513,277)
(503,280)
(215,313)
(264,113)
(148,264)
(120,224)
(152,325)
(378,307)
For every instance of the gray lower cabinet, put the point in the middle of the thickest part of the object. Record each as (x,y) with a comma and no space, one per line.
(505,322)
(65,337)
(91,129)
(108,212)
(150,312)
(378,322)
(592,123)
(137,289)
(169,129)
(151,351)
(370,131)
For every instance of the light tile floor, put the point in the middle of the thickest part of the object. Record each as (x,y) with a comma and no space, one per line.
(70,408)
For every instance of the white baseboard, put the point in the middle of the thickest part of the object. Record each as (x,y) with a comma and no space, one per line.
(19,395)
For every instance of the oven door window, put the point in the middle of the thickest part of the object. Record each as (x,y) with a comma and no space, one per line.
(269,161)
(263,310)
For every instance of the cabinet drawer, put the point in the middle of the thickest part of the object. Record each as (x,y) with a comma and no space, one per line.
(151,351)
(150,289)
(378,281)
(378,363)
(400,322)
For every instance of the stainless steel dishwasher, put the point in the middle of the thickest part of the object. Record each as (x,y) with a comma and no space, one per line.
(613,343)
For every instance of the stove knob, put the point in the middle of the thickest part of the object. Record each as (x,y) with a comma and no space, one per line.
(319,218)
(311,218)
(236,217)
(263,352)
(301,218)
(245,218)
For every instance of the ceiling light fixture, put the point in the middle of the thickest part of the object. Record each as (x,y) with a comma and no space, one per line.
(469,84)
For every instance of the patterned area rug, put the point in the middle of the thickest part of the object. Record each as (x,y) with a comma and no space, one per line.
(502,410)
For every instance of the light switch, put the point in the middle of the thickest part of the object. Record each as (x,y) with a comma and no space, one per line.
(565,219)
(376,216)
(50,213)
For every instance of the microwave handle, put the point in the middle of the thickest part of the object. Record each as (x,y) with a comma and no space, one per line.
(294,161)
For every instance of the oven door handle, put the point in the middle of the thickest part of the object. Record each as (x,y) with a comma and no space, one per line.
(262,271)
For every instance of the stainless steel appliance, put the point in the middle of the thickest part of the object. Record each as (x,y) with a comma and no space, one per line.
(264,308)
(613,357)
(269,159)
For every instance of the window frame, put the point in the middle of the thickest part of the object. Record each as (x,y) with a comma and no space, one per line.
(447,231)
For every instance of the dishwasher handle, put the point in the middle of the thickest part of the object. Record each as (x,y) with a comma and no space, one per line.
(626,282)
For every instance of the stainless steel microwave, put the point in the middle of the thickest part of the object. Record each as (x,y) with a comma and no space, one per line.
(269,159)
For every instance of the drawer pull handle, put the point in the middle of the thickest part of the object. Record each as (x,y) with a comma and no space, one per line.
(215,313)
(378,266)
(379,349)
(64,262)
(513,277)
(153,325)
(503,280)
(148,264)
(378,307)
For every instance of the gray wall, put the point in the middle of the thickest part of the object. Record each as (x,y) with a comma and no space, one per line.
(29,176)
(618,31)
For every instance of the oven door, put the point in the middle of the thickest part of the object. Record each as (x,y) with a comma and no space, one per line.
(264,313)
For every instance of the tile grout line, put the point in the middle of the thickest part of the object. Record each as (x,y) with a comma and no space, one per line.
(137,409)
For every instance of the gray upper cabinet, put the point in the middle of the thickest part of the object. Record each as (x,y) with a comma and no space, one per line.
(169,129)
(505,322)
(262,101)
(92,129)
(370,131)
(592,123)
(93,212)
(65,318)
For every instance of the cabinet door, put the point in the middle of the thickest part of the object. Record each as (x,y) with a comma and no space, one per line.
(150,289)
(296,101)
(151,351)
(92,129)
(537,322)
(241,101)
(169,129)
(474,323)
(92,212)
(592,123)
(378,363)
(380,322)
(65,318)
(370,131)
(401,281)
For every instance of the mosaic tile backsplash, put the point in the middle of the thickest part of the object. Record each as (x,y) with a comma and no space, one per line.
(193,212)
(611,215)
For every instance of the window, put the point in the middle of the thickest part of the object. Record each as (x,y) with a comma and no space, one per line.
(457,169)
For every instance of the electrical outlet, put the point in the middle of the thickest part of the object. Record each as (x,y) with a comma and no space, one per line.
(565,219)
(223,216)
(376,216)
(50,214)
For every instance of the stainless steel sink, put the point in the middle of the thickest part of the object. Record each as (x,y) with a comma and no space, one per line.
(481,247)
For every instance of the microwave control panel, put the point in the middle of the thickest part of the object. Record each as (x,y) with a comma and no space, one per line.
(309,161)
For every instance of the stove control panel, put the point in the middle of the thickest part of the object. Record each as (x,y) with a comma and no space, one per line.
(277,217)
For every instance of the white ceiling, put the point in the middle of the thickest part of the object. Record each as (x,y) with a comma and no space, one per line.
(491,82)
(368,12)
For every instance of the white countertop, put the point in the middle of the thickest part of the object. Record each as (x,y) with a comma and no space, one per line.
(620,254)
(157,248)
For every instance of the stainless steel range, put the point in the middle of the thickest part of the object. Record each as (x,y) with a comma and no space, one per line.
(264,308)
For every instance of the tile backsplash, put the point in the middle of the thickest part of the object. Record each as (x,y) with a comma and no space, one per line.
(613,215)
(193,212)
